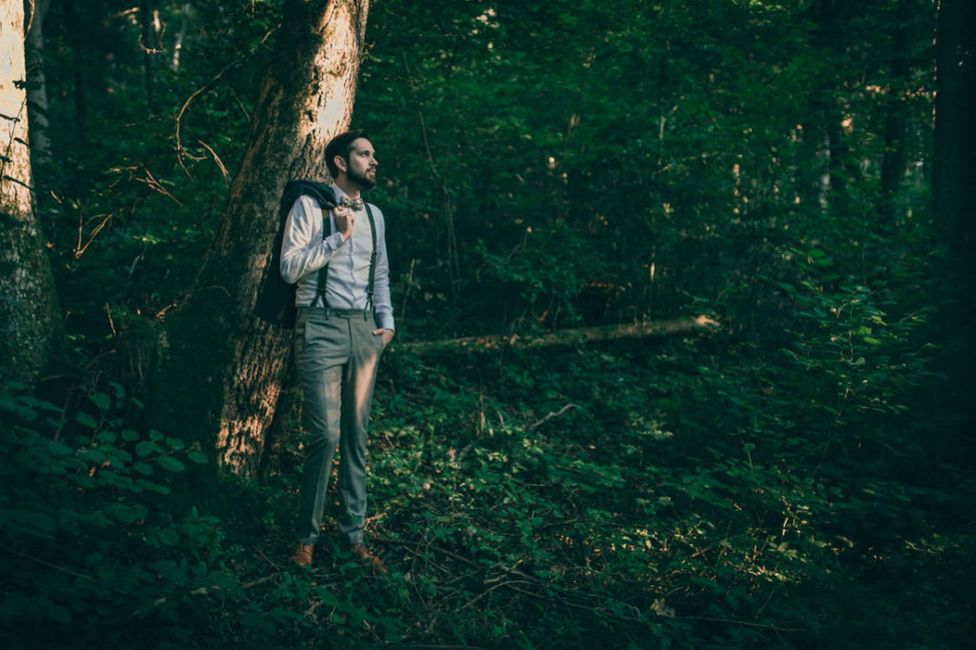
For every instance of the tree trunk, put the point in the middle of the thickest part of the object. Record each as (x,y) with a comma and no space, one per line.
(77,25)
(30,320)
(40,142)
(150,48)
(225,370)
(954,195)
(896,114)
(174,62)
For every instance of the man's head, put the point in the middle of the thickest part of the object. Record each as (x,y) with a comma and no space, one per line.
(351,154)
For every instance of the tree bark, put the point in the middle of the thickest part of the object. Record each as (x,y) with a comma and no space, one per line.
(225,369)
(30,319)
(954,197)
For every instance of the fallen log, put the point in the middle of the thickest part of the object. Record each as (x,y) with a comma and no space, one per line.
(691,325)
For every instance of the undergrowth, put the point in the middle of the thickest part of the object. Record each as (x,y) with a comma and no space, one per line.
(689,493)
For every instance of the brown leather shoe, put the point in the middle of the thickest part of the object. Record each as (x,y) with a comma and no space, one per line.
(303,555)
(369,559)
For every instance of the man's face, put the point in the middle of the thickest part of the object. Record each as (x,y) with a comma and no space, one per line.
(361,167)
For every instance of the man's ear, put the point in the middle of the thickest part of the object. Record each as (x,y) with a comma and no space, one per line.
(340,163)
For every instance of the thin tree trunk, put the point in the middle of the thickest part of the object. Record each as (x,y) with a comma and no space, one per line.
(896,115)
(37,87)
(150,48)
(30,320)
(76,23)
(954,194)
(226,368)
(174,62)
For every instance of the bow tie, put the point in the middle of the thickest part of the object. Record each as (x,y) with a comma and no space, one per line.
(352,204)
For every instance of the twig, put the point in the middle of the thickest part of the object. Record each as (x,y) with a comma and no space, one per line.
(220,163)
(161,314)
(428,646)
(19,182)
(552,414)
(111,323)
(180,151)
(258,581)
(444,551)
(79,249)
(732,621)
(58,568)
(488,591)
(153,184)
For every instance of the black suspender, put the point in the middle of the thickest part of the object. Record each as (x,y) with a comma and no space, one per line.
(372,258)
(323,276)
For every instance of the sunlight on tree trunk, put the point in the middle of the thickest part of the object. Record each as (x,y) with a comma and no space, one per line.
(30,323)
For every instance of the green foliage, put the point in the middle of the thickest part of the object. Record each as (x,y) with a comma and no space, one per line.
(87,538)
(543,165)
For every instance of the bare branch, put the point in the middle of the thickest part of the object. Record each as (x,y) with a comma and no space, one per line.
(220,163)
(551,415)
(180,151)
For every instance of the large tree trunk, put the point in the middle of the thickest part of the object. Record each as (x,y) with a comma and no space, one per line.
(30,319)
(954,194)
(225,369)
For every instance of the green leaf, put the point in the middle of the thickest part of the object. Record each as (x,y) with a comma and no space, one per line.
(129,435)
(59,449)
(126,513)
(107,436)
(118,388)
(142,467)
(145,448)
(198,457)
(170,464)
(101,400)
(86,420)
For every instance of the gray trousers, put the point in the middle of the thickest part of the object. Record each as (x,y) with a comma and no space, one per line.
(337,356)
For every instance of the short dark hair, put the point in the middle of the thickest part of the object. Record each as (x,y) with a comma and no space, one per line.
(341,145)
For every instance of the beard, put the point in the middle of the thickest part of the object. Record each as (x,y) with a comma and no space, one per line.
(362,180)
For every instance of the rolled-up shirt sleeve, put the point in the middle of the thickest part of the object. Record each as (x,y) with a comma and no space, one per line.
(382,303)
(303,250)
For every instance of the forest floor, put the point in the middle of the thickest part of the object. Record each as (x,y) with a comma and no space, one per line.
(679,493)
(613,496)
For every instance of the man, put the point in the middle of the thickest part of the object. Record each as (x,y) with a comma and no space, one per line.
(340,334)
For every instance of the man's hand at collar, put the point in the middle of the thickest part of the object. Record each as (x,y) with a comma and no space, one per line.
(345,220)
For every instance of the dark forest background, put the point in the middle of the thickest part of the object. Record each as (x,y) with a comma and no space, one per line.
(799,476)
